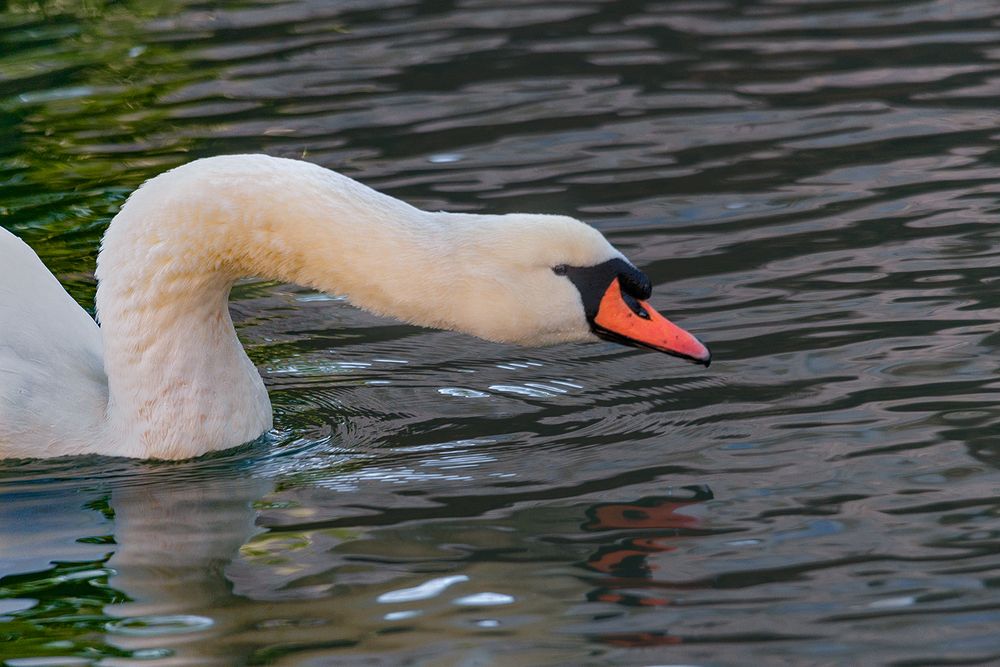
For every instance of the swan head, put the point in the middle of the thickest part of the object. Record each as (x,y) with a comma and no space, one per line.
(545,279)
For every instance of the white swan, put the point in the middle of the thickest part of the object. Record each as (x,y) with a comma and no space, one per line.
(165,375)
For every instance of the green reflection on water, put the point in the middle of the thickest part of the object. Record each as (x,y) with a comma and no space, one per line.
(67,617)
(80,124)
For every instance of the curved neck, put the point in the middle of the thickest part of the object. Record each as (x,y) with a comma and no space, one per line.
(179,381)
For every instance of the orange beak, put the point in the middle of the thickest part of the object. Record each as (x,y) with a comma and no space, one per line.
(617,321)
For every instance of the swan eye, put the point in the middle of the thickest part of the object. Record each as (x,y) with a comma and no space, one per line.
(593,281)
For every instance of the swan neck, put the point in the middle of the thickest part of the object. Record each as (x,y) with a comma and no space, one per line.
(180,383)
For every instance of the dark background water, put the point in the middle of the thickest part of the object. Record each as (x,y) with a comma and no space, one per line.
(813,188)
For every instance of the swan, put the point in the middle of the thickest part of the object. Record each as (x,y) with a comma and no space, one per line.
(165,377)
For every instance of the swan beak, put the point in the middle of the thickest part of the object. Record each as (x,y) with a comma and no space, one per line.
(618,321)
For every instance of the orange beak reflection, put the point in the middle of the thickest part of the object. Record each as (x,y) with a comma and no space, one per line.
(617,321)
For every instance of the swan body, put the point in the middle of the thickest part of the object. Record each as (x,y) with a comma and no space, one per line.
(164,376)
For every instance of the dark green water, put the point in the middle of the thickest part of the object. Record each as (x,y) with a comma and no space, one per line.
(814,188)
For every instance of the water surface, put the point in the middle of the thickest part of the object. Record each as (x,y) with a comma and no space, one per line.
(812,187)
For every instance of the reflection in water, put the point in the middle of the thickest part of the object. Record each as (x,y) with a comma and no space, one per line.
(152,574)
(175,538)
(813,185)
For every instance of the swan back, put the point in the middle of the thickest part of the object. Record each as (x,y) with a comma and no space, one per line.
(53,389)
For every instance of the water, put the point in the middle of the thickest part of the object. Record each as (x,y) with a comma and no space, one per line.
(813,188)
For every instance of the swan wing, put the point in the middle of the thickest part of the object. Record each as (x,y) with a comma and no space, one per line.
(53,389)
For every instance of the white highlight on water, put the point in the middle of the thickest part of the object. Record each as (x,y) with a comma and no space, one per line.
(424,591)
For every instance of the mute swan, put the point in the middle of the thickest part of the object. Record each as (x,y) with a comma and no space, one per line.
(165,376)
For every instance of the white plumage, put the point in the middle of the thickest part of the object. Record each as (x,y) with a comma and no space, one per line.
(166,377)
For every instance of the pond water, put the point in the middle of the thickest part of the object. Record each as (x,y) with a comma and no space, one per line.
(813,187)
